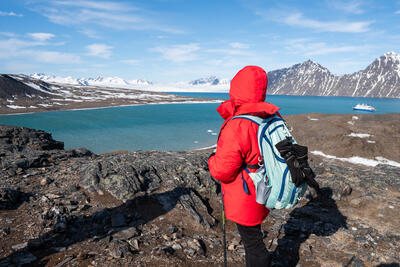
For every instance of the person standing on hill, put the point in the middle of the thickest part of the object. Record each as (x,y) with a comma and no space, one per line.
(237,148)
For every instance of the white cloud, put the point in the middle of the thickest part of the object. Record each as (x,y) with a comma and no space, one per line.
(230,51)
(20,67)
(397,12)
(353,7)
(100,5)
(323,49)
(130,61)
(17,49)
(99,50)
(310,48)
(10,14)
(11,47)
(113,15)
(41,36)
(298,20)
(55,57)
(239,45)
(90,33)
(178,53)
(234,49)
(8,34)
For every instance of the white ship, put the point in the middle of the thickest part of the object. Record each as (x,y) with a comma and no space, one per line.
(364,107)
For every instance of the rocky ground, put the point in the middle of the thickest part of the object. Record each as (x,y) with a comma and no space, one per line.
(155,208)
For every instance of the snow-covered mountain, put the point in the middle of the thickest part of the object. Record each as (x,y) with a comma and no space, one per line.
(209,84)
(99,81)
(212,80)
(380,79)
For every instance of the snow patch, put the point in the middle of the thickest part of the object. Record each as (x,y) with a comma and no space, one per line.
(312,119)
(14,107)
(360,160)
(359,135)
(45,105)
(354,118)
(371,142)
(351,122)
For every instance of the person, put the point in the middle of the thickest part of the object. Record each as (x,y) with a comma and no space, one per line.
(237,148)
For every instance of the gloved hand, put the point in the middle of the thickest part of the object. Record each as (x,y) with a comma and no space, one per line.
(302,157)
(287,151)
(296,157)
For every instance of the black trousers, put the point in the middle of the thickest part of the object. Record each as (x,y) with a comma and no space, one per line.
(257,254)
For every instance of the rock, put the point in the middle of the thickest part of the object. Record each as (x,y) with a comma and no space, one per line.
(5,231)
(126,234)
(355,262)
(45,181)
(196,245)
(176,235)
(231,247)
(189,251)
(81,152)
(53,196)
(168,250)
(118,220)
(119,249)
(64,262)
(23,258)
(176,246)
(20,246)
(60,227)
(134,243)
(172,229)
(9,197)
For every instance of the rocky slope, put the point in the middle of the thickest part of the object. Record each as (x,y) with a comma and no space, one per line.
(380,79)
(11,88)
(22,94)
(157,208)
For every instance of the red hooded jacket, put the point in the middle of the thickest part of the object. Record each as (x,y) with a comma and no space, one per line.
(238,146)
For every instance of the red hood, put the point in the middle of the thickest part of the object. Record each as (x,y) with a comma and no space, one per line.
(228,109)
(247,95)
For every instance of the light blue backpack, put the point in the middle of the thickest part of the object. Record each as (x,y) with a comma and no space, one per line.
(272,180)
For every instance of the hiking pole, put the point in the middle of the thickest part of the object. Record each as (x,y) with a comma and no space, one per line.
(224,231)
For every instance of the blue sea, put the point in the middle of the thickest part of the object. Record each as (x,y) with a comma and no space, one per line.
(169,126)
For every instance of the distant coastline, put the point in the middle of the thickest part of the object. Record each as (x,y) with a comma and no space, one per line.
(66,108)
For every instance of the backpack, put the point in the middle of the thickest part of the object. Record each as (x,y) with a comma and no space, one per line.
(273,179)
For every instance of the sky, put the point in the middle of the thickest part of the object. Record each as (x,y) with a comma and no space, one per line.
(182,40)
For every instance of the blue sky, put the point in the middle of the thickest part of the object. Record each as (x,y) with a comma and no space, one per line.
(172,40)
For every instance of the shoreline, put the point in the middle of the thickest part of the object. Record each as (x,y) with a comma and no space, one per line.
(124,105)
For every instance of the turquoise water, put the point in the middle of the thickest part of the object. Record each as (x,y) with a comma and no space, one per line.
(168,126)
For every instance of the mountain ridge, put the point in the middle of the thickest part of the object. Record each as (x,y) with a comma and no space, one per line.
(381,78)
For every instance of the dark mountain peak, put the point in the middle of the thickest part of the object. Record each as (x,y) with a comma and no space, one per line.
(388,62)
(308,67)
(380,79)
(12,87)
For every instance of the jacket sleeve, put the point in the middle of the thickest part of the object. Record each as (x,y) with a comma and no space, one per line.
(228,159)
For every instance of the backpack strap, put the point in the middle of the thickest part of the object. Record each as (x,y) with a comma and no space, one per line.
(258,121)
(255,119)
